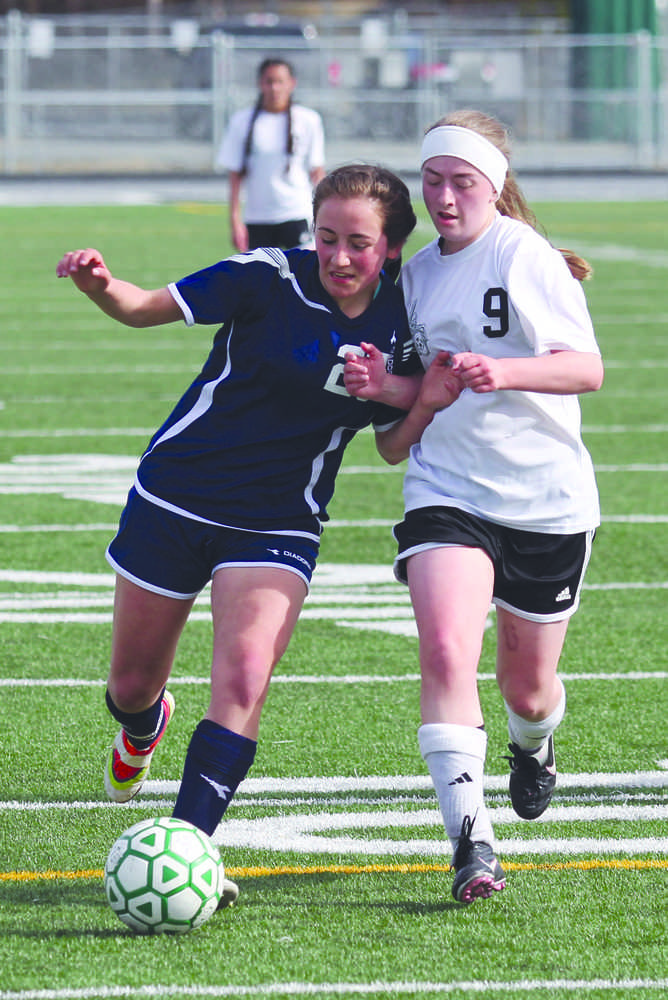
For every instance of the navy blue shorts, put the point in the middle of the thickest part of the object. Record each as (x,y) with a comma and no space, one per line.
(537,576)
(177,556)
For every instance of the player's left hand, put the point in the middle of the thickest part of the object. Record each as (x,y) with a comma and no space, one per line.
(478,372)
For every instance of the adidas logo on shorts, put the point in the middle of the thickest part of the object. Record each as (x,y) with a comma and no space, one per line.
(564,595)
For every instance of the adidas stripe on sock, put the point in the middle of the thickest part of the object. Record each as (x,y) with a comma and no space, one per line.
(455,756)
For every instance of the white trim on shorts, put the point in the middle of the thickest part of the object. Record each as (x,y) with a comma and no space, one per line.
(188,597)
(262,565)
(423,547)
(557,616)
(144,584)
(530,616)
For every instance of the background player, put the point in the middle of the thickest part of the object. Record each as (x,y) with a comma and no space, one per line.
(275,152)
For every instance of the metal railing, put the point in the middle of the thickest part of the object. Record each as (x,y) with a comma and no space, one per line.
(134,95)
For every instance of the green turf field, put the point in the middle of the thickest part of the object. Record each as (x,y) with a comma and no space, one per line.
(335,838)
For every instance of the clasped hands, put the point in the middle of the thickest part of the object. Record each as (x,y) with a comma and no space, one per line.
(366,377)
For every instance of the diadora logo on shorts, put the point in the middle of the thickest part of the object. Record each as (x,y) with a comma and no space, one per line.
(564,595)
(290,555)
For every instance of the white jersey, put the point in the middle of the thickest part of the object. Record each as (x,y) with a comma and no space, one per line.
(515,458)
(277,188)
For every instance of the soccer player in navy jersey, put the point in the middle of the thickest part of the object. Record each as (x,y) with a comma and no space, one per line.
(234,487)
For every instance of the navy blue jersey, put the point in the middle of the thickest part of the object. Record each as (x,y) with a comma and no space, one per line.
(257,439)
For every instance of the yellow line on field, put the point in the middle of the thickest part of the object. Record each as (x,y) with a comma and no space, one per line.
(198,208)
(49,875)
(509,866)
(625,864)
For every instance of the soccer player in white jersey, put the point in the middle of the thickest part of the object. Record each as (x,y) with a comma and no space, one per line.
(233,488)
(275,154)
(501,503)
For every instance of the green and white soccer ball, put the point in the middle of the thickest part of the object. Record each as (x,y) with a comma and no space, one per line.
(163,875)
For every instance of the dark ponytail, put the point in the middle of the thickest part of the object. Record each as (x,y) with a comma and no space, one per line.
(289,138)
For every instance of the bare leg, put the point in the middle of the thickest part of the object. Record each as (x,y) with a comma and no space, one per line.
(451,590)
(255,611)
(146,632)
(527,662)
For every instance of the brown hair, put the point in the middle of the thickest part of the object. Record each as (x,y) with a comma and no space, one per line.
(362,180)
(511,200)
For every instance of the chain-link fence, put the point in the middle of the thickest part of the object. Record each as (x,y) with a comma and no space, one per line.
(121,94)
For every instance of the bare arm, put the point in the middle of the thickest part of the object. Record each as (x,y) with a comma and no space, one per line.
(439,388)
(123,301)
(561,372)
(366,377)
(239,230)
(316,174)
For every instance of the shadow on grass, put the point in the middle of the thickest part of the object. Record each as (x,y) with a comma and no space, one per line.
(51,905)
(308,891)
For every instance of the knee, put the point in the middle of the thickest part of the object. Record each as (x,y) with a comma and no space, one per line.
(529,701)
(528,707)
(248,691)
(133,692)
(448,653)
(243,683)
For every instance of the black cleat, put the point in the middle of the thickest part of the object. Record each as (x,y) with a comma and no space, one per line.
(531,783)
(478,873)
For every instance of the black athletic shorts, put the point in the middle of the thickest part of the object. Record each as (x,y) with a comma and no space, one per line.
(537,576)
(285,235)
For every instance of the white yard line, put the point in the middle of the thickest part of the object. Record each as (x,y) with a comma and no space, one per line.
(291,990)
(404,678)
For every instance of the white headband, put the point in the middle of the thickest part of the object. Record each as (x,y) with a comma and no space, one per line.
(453,140)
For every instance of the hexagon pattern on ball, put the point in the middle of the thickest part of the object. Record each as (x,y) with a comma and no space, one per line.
(163,876)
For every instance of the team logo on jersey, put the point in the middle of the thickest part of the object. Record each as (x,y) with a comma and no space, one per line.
(417,330)
(307,353)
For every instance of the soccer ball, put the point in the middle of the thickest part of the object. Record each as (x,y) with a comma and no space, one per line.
(163,875)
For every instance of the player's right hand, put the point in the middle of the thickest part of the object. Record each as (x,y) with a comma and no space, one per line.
(364,372)
(86,268)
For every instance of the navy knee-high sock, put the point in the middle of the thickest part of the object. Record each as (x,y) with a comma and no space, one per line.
(216,763)
(141,728)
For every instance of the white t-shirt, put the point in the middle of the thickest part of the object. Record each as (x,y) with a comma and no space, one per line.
(272,193)
(511,457)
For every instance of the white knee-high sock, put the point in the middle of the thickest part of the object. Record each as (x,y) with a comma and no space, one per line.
(455,756)
(533,736)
